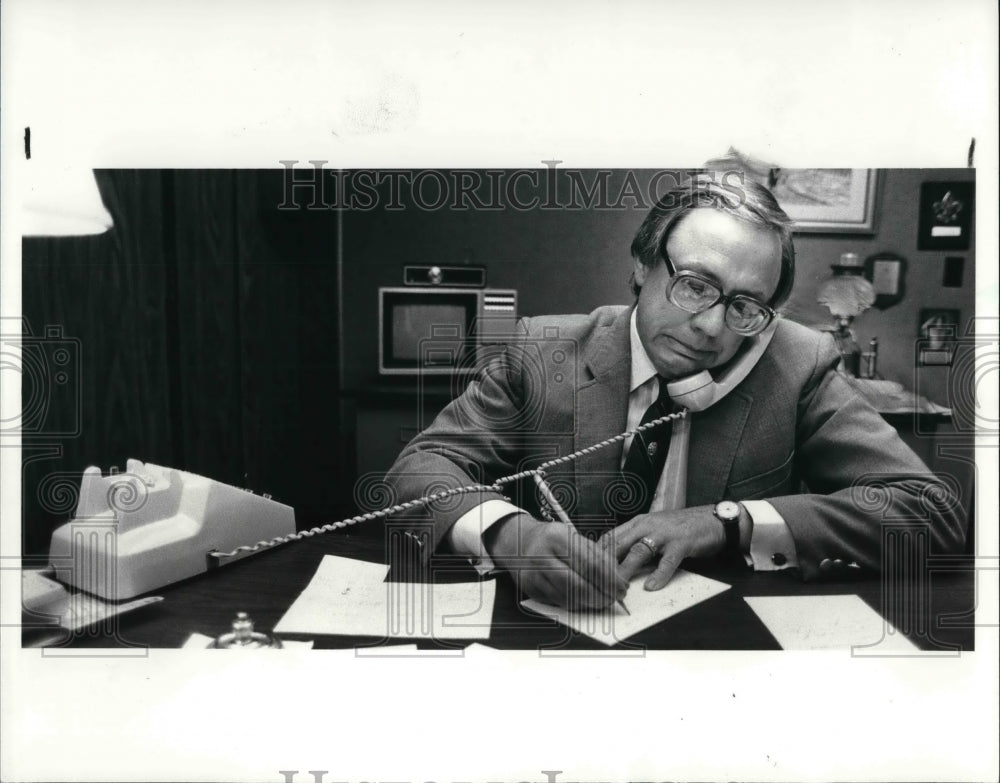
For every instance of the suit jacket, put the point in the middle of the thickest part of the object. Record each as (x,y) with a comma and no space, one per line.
(794,432)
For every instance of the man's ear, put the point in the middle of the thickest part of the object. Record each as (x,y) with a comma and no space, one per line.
(639,271)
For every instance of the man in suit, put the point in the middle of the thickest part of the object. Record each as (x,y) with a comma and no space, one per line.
(789,469)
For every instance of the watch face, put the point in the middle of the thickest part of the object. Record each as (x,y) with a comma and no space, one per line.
(727,510)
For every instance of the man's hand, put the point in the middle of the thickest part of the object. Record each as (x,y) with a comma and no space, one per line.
(674,535)
(554,563)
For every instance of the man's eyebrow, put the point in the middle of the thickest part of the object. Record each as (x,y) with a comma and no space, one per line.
(695,266)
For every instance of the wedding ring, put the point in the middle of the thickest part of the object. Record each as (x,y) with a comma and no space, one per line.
(650,544)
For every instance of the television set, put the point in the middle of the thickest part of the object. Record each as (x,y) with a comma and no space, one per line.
(438,330)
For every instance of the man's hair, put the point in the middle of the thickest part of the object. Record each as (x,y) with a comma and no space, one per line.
(744,200)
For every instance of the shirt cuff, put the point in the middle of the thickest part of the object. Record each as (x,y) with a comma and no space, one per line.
(772,547)
(466,536)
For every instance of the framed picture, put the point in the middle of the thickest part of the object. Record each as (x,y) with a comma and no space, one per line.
(827,201)
(938,331)
(887,274)
(945,215)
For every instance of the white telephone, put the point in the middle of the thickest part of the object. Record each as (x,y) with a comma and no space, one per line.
(137,531)
(701,390)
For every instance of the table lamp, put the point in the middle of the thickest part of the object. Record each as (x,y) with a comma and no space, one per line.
(847,294)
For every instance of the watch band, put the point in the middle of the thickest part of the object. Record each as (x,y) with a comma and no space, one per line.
(733,536)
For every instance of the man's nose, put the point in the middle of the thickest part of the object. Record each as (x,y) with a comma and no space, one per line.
(712,321)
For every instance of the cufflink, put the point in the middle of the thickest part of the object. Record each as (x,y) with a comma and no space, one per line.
(778,559)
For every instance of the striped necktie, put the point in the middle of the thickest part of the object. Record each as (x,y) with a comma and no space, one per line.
(646,457)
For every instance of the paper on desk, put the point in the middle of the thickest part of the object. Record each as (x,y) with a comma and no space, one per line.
(648,607)
(350,598)
(198,641)
(827,622)
(335,570)
(85,610)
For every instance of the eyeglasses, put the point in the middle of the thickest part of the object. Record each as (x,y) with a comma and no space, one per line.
(695,294)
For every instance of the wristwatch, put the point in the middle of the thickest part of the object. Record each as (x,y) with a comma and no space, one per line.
(728,513)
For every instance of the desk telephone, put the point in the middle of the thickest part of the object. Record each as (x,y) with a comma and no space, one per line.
(153,526)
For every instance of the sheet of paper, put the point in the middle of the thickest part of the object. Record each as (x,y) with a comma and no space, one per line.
(336,570)
(827,622)
(198,641)
(345,598)
(648,607)
(85,610)
(389,651)
(44,595)
(455,649)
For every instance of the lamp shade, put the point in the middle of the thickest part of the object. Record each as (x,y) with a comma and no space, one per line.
(846,295)
(62,201)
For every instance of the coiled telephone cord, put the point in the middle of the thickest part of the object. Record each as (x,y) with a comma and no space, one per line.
(496,486)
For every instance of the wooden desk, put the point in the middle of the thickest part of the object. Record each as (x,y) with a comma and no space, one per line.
(266,585)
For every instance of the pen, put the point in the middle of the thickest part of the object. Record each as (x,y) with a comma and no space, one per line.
(561,513)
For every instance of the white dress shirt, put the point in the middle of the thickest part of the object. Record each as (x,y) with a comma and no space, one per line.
(771,545)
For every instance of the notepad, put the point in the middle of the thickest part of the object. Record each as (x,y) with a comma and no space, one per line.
(827,622)
(351,598)
(612,625)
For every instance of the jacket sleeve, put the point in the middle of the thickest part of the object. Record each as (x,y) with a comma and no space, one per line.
(472,442)
(861,479)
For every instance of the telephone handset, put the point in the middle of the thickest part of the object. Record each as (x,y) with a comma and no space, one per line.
(153,526)
(702,390)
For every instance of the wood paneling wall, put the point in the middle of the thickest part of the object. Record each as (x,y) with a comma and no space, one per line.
(205,323)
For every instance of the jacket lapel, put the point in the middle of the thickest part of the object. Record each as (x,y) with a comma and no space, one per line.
(602,413)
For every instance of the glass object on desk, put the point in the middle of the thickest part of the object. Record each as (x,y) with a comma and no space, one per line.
(869,360)
(243,636)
